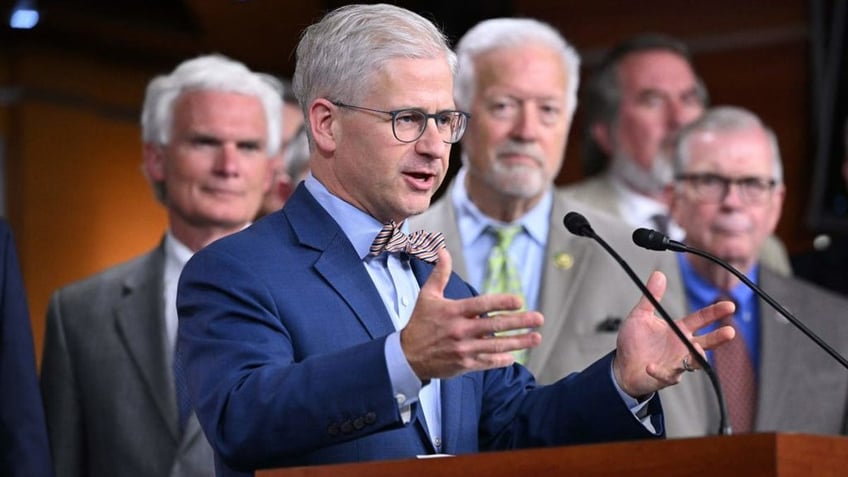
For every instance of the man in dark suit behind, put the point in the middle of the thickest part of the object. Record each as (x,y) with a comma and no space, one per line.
(305,343)
(112,406)
(24,450)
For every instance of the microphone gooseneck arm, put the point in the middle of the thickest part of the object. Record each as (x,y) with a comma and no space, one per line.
(654,240)
(578,225)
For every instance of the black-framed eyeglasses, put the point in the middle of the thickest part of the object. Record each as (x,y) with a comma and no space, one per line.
(714,187)
(409,124)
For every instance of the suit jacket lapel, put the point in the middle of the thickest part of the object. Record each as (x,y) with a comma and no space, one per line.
(562,262)
(141,325)
(775,363)
(338,262)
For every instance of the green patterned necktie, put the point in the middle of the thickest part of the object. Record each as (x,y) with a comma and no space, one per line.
(502,276)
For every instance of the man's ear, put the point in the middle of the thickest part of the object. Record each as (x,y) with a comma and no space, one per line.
(154,162)
(672,197)
(777,206)
(323,121)
(602,134)
(667,195)
(284,187)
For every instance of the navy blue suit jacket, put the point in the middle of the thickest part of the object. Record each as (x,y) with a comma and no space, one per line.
(24,449)
(282,332)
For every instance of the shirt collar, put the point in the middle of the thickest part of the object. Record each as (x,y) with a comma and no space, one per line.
(359,227)
(634,204)
(176,253)
(702,293)
(473,222)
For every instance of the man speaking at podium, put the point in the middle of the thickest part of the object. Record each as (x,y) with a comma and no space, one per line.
(324,334)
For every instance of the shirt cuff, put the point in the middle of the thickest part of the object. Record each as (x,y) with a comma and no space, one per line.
(639,409)
(405,384)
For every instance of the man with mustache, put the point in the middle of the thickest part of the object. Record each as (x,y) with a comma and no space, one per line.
(727,196)
(518,78)
(644,90)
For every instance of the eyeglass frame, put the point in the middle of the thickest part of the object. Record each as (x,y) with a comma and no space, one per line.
(427,116)
(743,185)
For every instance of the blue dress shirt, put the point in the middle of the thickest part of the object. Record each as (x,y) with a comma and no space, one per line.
(700,293)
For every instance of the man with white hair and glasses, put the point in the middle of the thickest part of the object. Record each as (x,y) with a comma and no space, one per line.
(727,196)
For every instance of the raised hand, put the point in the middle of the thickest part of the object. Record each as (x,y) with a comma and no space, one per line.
(446,337)
(649,355)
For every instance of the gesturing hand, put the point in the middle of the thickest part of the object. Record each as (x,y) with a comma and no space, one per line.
(445,338)
(649,353)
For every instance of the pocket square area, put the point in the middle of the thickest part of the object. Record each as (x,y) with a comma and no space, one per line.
(609,324)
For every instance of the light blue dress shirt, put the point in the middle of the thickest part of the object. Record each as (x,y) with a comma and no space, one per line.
(527,250)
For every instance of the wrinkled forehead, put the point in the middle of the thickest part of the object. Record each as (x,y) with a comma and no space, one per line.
(656,69)
(740,152)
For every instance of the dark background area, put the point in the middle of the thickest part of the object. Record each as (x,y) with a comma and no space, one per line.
(71,89)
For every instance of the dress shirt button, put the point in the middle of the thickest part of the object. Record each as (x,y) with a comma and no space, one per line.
(404,301)
(370,418)
(400,398)
(333,430)
(437,442)
(347,427)
(358,423)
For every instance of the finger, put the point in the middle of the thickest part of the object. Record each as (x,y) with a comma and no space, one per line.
(507,322)
(498,350)
(438,279)
(656,285)
(708,314)
(715,338)
(489,303)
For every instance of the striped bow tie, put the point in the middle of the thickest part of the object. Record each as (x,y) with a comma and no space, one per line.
(420,244)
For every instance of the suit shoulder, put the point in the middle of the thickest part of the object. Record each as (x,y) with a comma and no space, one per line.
(799,288)
(110,279)
(439,213)
(586,187)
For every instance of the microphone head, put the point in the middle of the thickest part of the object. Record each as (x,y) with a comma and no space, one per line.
(650,239)
(577,224)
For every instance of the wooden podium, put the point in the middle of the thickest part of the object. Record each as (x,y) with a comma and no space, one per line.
(750,455)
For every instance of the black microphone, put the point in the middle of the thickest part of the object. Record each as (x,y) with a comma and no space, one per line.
(578,225)
(653,240)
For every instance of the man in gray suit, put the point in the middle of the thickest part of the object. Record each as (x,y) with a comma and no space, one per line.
(728,196)
(109,388)
(518,79)
(642,93)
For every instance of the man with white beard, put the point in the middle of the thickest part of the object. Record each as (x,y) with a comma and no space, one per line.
(502,216)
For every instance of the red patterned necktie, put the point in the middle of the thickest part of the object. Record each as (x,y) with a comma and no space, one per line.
(736,373)
(420,244)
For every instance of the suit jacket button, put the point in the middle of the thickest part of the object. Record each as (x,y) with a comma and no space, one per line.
(370,418)
(358,423)
(347,427)
(333,430)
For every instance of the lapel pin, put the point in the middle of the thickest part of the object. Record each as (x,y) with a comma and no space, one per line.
(563,260)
